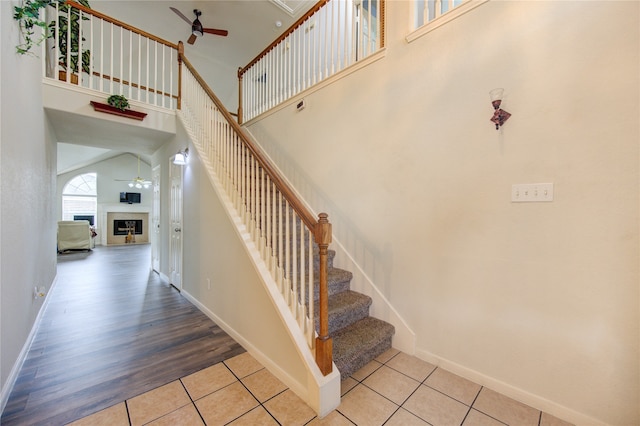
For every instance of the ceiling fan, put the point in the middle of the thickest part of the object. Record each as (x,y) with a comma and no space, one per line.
(196,27)
(137,181)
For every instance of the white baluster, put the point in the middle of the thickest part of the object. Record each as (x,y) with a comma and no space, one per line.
(310,293)
(294,272)
(301,300)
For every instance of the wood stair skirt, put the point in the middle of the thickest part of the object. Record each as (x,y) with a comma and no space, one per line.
(357,337)
(100,107)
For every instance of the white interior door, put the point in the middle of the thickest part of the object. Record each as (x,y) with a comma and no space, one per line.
(155,220)
(175,221)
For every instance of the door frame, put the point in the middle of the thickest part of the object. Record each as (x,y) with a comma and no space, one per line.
(175,224)
(156,174)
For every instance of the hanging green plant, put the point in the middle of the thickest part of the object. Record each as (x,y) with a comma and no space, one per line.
(28,17)
(118,101)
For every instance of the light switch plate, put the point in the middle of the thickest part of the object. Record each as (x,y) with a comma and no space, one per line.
(532,192)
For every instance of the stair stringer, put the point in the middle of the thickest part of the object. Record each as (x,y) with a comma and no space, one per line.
(321,393)
(381,308)
(404,338)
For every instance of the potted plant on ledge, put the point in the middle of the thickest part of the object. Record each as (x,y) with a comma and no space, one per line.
(118,105)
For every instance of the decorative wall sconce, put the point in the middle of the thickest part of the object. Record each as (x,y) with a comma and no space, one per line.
(181,157)
(499,115)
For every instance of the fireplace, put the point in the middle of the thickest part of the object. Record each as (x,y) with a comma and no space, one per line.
(123,226)
(118,224)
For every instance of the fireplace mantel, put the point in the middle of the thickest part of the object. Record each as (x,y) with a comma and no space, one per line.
(124,212)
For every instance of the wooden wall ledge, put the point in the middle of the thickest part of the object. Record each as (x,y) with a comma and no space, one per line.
(100,107)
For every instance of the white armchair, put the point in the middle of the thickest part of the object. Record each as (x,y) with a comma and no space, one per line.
(74,235)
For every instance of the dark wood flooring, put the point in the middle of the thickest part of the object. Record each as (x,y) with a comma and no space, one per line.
(111,330)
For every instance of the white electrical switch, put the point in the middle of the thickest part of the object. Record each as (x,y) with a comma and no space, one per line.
(532,192)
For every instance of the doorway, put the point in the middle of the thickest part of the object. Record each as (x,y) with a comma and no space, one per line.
(155,219)
(175,225)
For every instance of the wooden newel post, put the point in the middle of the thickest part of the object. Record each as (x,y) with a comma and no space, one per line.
(239,95)
(180,54)
(324,344)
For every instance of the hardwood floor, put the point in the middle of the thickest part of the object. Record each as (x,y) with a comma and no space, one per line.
(111,330)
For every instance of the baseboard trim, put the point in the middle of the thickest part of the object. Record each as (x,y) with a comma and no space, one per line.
(512,392)
(294,385)
(7,387)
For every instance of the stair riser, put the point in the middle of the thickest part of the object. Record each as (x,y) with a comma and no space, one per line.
(344,319)
(347,370)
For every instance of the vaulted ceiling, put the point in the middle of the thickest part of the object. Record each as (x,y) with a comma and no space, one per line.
(252,25)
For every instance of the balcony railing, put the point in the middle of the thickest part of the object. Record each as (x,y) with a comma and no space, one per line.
(100,53)
(332,36)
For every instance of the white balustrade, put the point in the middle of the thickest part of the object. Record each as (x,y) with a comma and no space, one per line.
(109,56)
(338,34)
(281,236)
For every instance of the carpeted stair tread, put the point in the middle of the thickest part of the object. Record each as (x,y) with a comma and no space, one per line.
(338,277)
(338,280)
(345,308)
(356,345)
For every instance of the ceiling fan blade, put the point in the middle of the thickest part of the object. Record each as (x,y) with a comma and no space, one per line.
(180,14)
(222,33)
(192,39)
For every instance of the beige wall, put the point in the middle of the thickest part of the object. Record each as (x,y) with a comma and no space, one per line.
(536,300)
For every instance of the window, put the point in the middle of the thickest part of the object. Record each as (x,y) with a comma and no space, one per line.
(430,14)
(80,198)
(366,33)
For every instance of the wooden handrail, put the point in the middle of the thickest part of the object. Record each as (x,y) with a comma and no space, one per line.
(284,35)
(134,85)
(307,217)
(120,24)
(320,228)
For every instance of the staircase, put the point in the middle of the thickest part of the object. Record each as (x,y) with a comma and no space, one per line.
(357,337)
(282,229)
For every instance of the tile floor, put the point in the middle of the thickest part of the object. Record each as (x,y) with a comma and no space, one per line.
(395,389)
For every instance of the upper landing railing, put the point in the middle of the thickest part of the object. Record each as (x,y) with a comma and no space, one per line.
(100,53)
(332,36)
(115,58)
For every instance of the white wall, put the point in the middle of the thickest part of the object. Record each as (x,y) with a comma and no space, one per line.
(27,188)
(539,301)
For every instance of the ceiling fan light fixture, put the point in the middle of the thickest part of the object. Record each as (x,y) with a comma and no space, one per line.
(196,28)
(138,182)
